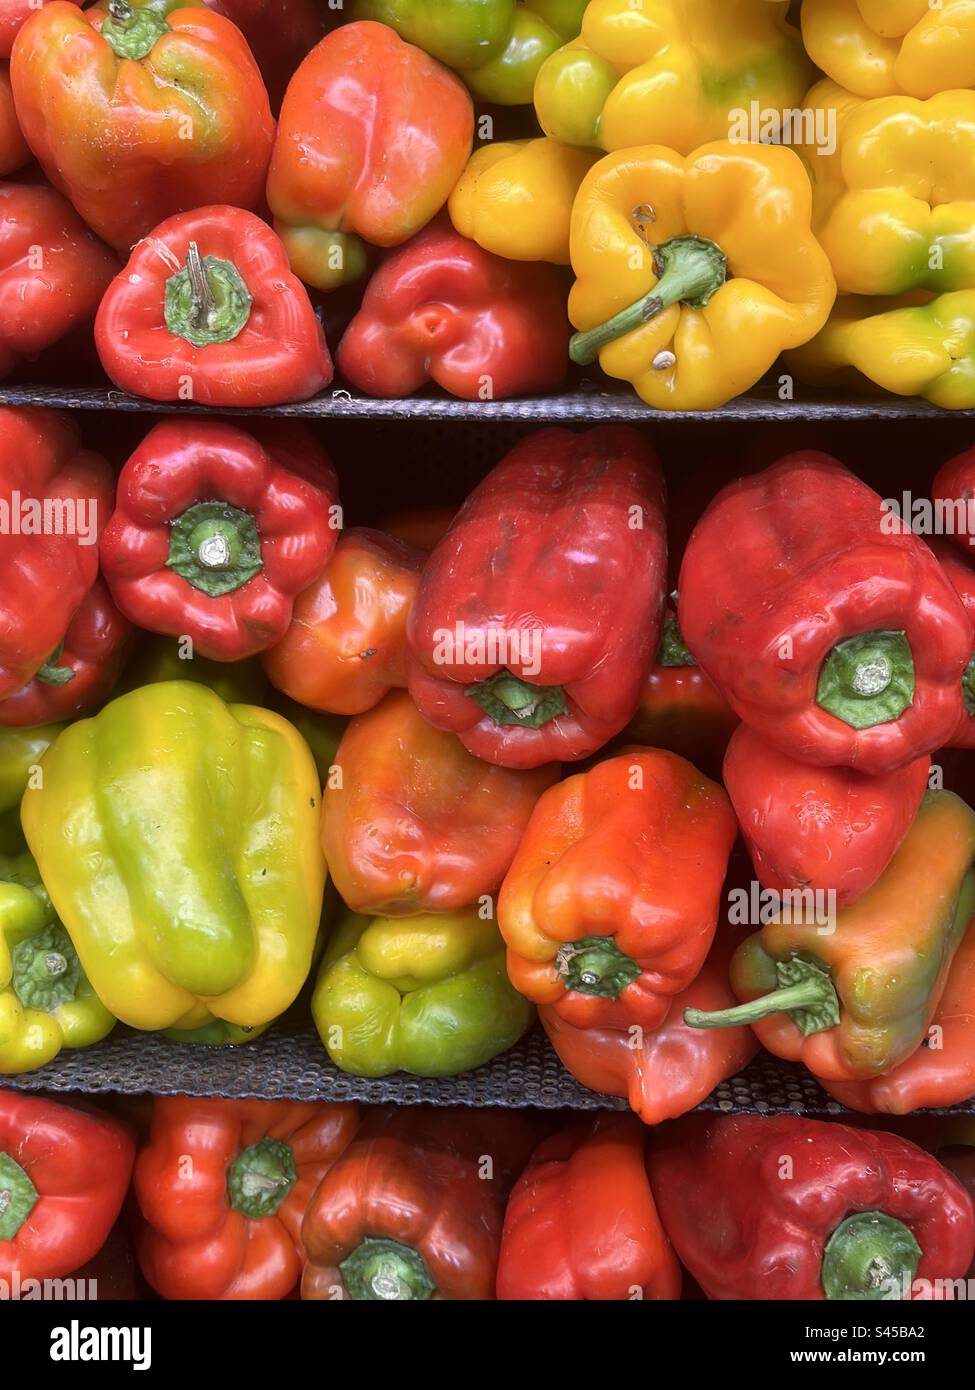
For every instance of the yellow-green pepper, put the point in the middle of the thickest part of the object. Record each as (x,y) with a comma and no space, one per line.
(20,754)
(46,1001)
(160,659)
(428,995)
(178,839)
(879,48)
(670,72)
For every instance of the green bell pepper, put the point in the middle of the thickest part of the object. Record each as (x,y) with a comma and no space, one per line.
(428,995)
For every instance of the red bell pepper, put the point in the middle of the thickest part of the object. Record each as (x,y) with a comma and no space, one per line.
(63,1176)
(223,1186)
(826,829)
(346,645)
(13,147)
(581,1222)
(414,1208)
(13,15)
(780,1207)
(53,271)
(826,623)
(81,673)
(207,310)
(54,499)
(960,571)
(216,531)
(373,136)
(953,495)
(441,309)
(280,33)
(538,614)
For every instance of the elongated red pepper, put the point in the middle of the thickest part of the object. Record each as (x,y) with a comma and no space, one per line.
(828,829)
(441,309)
(207,310)
(827,624)
(82,673)
(785,1208)
(581,1222)
(54,500)
(539,612)
(63,1176)
(216,531)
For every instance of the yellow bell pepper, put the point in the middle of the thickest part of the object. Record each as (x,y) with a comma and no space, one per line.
(894,205)
(879,48)
(46,1001)
(178,839)
(669,72)
(692,275)
(908,347)
(515,198)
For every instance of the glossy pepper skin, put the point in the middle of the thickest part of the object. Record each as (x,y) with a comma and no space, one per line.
(21,751)
(842,644)
(693,274)
(669,72)
(411,1211)
(47,575)
(373,136)
(414,823)
(207,310)
(610,905)
(67,1172)
(13,15)
(53,272)
(852,994)
(539,612)
(893,206)
(14,152)
(143,113)
(46,1001)
(201,820)
(216,531)
(82,671)
(662,1072)
(427,995)
(908,345)
(582,1224)
(441,309)
(828,829)
(223,1186)
(879,49)
(941,1073)
(346,645)
(515,198)
(779,1207)
(962,576)
(497,46)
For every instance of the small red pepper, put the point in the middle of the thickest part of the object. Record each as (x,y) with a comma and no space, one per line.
(539,612)
(53,271)
(779,1207)
(207,310)
(441,309)
(63,1176)
(215,532)
(581,1222)
(826,623)
(828,829)
(81,673)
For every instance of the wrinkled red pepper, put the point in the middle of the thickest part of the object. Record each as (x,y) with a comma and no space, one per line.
(780,1207)
(538,614)
(207,310)
(829,626)
(48,566)
(81,674)
(63,1176)
(581,1222)
(828,829)
(441,309)
(216,531)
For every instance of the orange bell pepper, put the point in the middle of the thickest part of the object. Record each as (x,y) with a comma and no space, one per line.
(610,906)
(414,823)
(346,646)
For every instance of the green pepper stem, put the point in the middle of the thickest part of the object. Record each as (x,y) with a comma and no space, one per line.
(673,649)
(215,547)
(868,679)
(261,1177)
(53,674)
(509,700)
(595,965)
(870,1257)
(17,1197)
(813,997)
(130,32)
(690,270)
(206,302)
(46,970)
(386,1270)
